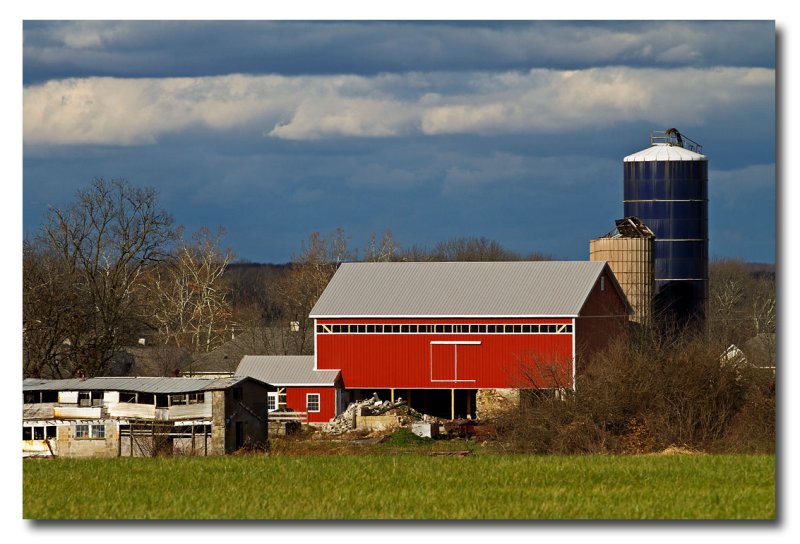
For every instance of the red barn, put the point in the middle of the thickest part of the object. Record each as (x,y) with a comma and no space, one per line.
(298,386)
(438,333)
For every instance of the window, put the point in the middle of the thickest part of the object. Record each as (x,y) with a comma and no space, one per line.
(405,328)
(81,431)
(27,433)
(90,431)
(84,398)
(272,401)
(98,431)
(602,283)
(51,431)
(312,402)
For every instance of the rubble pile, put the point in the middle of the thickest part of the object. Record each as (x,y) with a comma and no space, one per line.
(374,406)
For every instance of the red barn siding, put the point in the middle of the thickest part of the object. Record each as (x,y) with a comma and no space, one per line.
(602,318)
(410,361)
(296,400)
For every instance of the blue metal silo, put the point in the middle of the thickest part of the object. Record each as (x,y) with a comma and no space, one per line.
(666,186)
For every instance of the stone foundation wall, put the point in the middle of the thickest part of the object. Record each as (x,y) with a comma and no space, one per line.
(491,402)
(69,446)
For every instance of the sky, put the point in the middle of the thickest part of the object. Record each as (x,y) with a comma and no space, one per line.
(510,130)
(526,127)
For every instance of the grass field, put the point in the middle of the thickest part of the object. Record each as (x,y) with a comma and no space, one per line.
(390,486)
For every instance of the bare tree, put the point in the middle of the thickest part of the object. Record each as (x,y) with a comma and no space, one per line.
(384,251)
(189,297)
(307,277)
(84,290)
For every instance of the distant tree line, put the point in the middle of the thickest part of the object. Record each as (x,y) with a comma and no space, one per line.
(111,270)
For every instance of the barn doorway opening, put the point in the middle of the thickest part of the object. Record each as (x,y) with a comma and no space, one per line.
(442,403)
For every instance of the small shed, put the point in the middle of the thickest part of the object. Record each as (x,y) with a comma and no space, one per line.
(299,386)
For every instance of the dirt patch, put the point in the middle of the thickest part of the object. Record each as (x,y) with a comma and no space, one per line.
(678,450)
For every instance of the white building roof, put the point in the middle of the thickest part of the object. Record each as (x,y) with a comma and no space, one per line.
(137,384)
(459,289)
(664,152)
(285,370)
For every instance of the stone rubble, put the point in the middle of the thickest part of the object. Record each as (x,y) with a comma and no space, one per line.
(346,421)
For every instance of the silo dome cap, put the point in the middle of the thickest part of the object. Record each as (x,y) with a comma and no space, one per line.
(665,152)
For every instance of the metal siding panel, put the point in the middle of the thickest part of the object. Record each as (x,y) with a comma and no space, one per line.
(296,400)
(403,360)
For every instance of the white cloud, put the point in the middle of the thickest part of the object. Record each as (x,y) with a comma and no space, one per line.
(117,111)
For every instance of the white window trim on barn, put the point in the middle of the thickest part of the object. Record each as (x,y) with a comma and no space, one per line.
(310,402)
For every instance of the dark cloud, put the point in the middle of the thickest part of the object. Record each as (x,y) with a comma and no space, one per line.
(541,191)
(55,50)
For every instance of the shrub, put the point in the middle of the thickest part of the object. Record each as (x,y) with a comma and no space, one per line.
(644,393)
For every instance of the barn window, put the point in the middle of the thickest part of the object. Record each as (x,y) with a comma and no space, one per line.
(312,402)
(81,431)
(569,328)
(362,328)
(51,431)
(517,328)
(27,433)
(370,328)
(526,328)
(395,328)
(602,283)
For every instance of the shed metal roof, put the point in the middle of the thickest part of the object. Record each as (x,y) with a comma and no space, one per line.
(459,289)
(664,152)
(138,384)
(285,370)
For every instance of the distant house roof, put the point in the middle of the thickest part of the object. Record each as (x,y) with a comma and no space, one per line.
(460,289)
(286,370)
(138,385)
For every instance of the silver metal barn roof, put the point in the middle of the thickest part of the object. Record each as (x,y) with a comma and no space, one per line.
(285,370)
(138,385)
(459,289)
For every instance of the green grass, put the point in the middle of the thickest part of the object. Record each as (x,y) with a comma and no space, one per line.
(402,487)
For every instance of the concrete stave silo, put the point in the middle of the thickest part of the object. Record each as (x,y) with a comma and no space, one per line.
(629,251)
(666,186)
